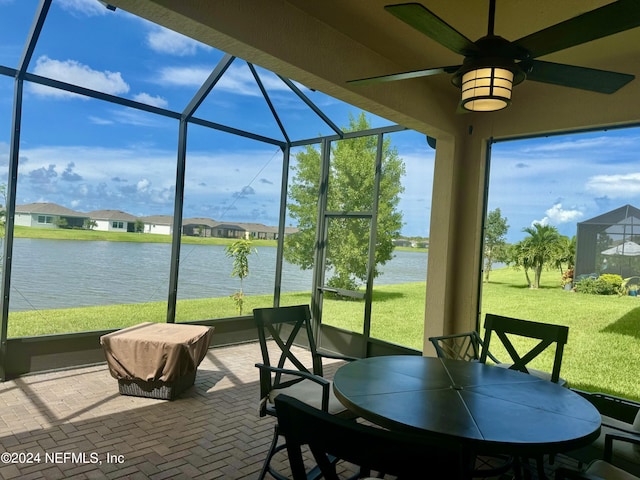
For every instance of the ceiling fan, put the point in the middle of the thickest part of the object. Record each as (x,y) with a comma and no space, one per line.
(492,64)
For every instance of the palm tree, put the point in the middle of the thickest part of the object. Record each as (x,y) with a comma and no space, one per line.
(519,257)
(566,253)
(541,248)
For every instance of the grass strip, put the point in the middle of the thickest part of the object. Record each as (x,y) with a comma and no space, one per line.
(604,331)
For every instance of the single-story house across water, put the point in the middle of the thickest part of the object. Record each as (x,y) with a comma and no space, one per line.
(113,221)
(48,215)
(162,224)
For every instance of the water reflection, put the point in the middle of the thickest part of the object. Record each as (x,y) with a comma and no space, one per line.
(61,274)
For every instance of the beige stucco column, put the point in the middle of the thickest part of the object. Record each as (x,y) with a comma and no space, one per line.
(453,276)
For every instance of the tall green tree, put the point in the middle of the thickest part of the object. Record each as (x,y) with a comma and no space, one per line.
(351,182)
(538,250)
(495,231)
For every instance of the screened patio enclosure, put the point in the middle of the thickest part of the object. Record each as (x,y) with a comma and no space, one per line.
(19,354)
(609,243)
(325,44)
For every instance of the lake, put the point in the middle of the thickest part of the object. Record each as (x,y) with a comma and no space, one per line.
(62,274)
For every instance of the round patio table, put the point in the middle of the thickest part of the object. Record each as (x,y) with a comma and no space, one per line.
(489,409)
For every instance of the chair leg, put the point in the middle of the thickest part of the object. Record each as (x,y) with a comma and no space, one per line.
(313,474)
(540,464)
(273,449)
(270,453)
(527,468)
(517,468)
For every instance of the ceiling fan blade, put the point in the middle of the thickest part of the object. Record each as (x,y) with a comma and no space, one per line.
(404,76)
(601,22)
(601,81)
(426,22)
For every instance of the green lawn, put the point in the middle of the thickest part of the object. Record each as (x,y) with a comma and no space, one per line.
(603,353)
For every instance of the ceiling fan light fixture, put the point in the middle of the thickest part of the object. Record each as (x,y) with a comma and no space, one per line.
(486,89)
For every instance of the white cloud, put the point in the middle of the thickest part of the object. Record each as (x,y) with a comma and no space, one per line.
(557,215)
(100,121)
(237,79)
(568,145)
(183,76)
(162,40)
(156,101)
(71,71)
(130,116)
(615,186)
(89,8)
(143,185)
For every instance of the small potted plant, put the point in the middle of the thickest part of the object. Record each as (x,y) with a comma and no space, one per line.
(567,279)
(630,286)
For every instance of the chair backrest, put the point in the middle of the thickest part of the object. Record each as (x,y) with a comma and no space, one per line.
(373,448)
(460,346)
(285,326)
(547,333)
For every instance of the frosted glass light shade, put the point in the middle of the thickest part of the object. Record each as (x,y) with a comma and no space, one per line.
(486,89)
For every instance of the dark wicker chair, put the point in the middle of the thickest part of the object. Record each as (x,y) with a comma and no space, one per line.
(289,374)
(549,336)
(368,448)
(620,416)
(460,346)
(603,469)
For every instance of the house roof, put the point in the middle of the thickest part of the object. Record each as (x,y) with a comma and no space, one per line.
(158,219)
(111,215)
(259,227)
(54,209)
(47,208)
(209,222)
(231,226)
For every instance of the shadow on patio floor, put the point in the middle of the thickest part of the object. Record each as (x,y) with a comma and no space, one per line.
(74,424)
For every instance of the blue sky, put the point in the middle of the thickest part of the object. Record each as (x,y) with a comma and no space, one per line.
(87,154)
(562,180)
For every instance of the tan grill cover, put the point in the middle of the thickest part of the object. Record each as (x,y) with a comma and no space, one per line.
(156,351)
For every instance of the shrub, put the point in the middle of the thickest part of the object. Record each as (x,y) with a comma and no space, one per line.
(615,280)
(343,282)
(607,284)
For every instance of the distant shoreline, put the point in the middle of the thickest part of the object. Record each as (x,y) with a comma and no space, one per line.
(102,236)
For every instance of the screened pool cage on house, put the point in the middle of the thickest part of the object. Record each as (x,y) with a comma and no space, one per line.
(609,243)
(21,355)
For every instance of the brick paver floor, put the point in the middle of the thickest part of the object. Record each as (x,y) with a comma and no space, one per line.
(74,424)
